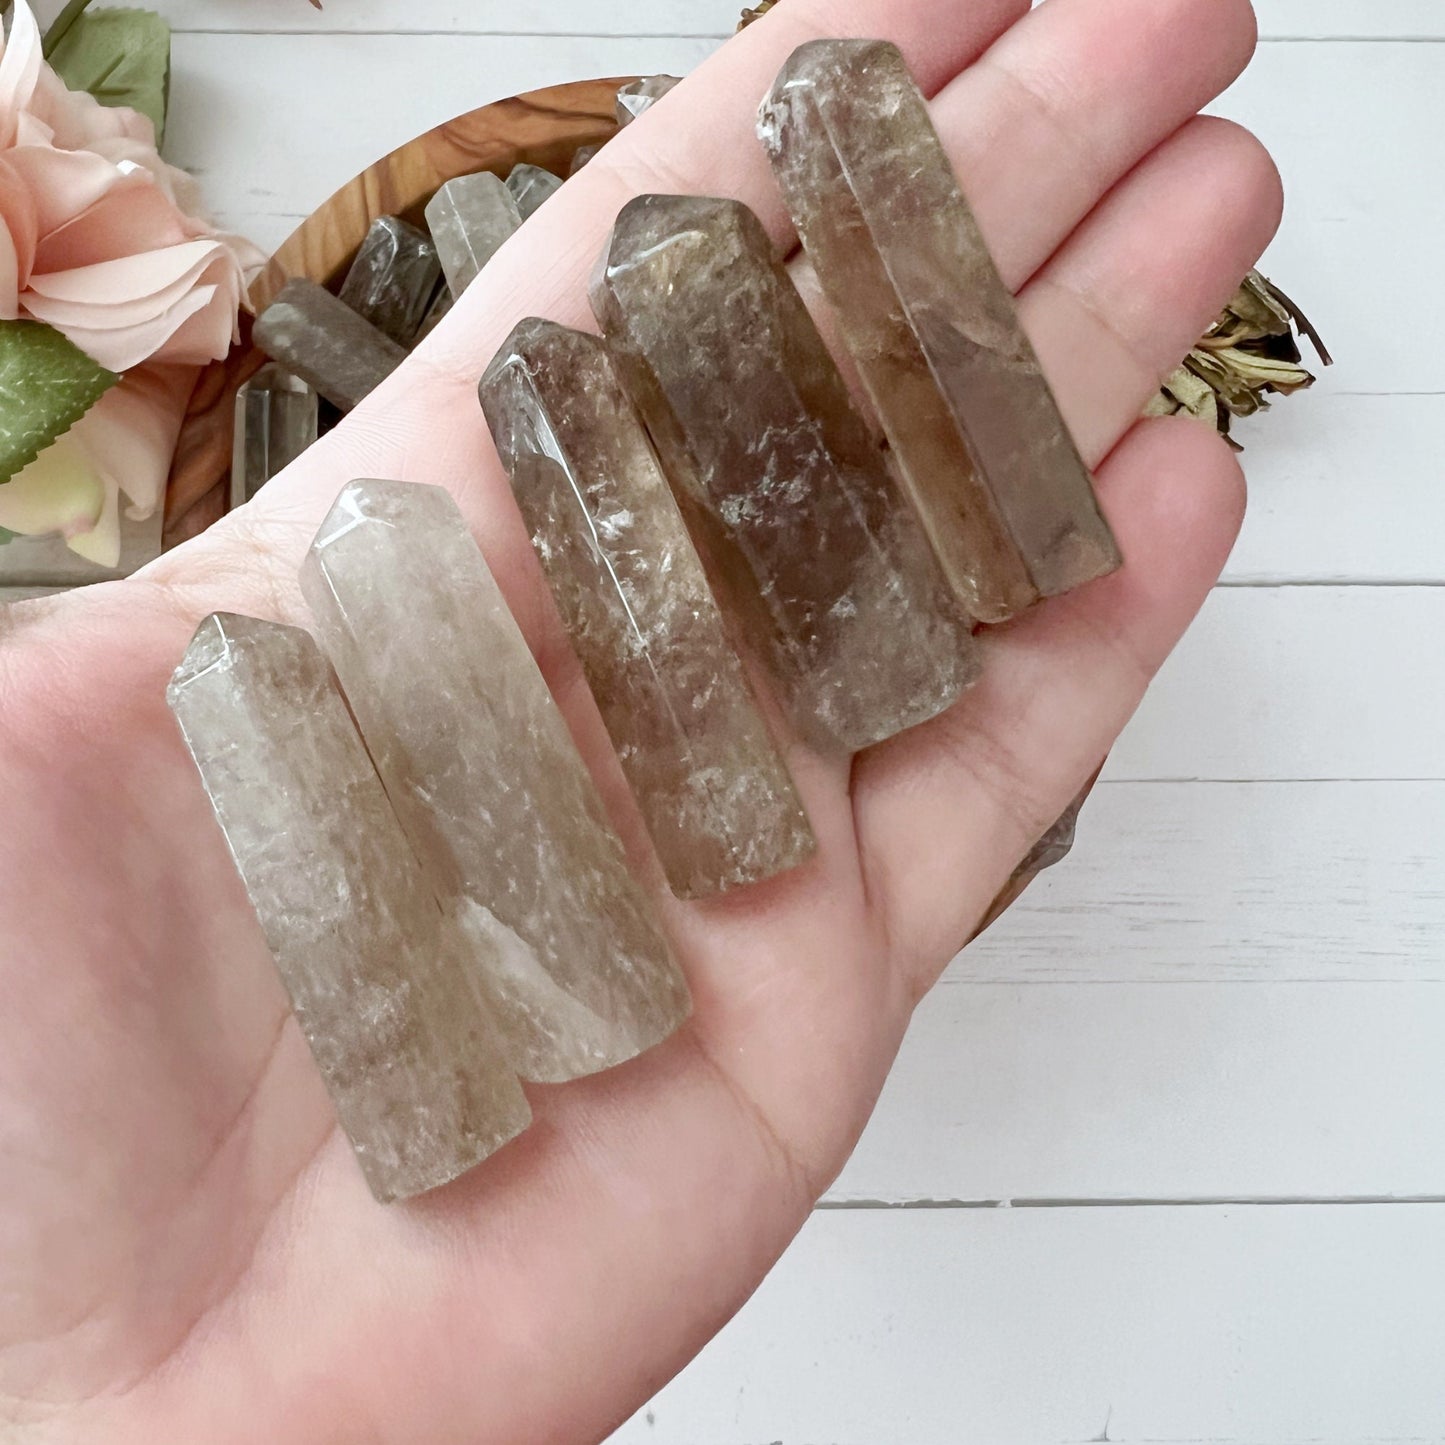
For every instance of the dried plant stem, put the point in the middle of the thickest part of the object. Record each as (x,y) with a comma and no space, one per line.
(57,32)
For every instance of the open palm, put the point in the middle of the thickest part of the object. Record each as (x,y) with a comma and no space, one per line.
(188,1252)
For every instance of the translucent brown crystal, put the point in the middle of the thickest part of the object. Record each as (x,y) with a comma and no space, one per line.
(582,156)
(716,795)
(436,314)
(488,785)
(393,279)
(277,417)
(324,342)
(639,96)
(470,219)
(530,186)
(982,449)
(778,476)
(384,988)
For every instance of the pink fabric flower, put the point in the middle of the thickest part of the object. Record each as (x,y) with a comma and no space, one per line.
(99,238)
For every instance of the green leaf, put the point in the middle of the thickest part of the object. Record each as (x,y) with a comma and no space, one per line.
(46,386)
(6,536)
(122,57)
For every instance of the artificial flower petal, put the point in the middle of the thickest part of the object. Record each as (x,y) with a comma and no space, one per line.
(136,283)
(130,434)
(124,221)
(77,120)
(20,68)
(60,491)
(101,544)
(150,339)
(21,224)
(68,184)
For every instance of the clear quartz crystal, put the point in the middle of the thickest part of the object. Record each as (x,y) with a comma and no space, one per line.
(638,96)
(470,219)
(716,795)
(393,279)
(277,417)
(530,186)
(583,156)
(780,481)
(487,781)
(322,340)
(384,986)
(439,309)
(981,446)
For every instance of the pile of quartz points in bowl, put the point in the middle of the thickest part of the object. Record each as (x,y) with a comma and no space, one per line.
(447,901)
(330,350)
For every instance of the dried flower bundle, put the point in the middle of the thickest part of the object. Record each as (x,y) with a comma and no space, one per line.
(1250,354)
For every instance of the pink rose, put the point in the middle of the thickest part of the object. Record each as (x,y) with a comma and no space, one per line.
(99,238)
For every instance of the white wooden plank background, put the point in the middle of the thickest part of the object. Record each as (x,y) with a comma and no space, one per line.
(1263,882)
(1225,1011)
(1266,1325)
(1161,1091)
(1279,19)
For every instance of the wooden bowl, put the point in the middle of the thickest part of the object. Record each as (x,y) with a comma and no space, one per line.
(543,127)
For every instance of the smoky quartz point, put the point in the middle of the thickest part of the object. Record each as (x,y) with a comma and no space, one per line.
(716,795)
(383,986)
(323,341)
(785,491)
(530,185)
(982,449)
(277,418)
(487,782)
(638,96)
(583,156)
(440,308)
(470,219)
(393,279)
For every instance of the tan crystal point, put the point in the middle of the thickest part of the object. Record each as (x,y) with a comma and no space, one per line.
(384,990)
(393,279)
(639,96)
(783,487)
(470,219)
(487,782)
(324,342)
(582,156)
(276,419)
(435,316)
(530,186)
(982,449)
(716,795)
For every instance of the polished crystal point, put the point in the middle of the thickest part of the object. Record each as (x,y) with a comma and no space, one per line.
(582,156)
(640,95)
(487,782)
(393,279)
(530,186)
(384,987)
(323,341)
(780,481)
(981,446)
(277,417)
(439,309)
(716,795)
(470,218)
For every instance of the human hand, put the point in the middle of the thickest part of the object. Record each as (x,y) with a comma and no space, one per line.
(189,1251)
